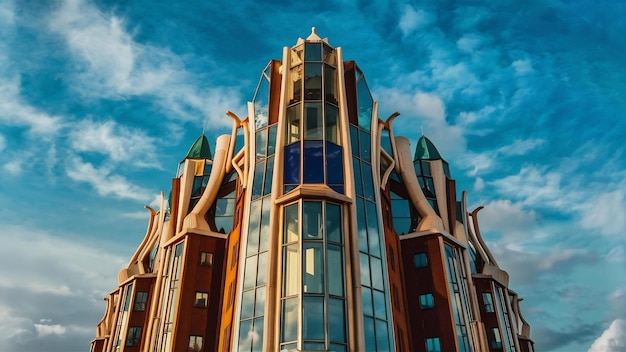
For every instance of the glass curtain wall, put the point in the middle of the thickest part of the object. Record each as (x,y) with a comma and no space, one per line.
(171,278)
(372,267)
(313,297)
(122,317)
(313,153)
(505,322)
(458,296)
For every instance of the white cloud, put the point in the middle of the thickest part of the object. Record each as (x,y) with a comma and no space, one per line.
(44,330)
(604,212)
(412,20)
(15,112)
(105,183)
(522,67)
(469,42)
(119,143)
(3,143)
(13,167)
(508,218)
(479,184)
(613,339)
(534,187)
(616,254)
(520,146)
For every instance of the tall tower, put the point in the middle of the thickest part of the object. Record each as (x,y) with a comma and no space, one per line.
(312,228)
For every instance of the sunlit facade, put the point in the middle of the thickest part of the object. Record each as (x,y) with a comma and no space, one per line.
(312,227)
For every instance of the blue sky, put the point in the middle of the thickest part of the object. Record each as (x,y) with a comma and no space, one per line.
(99,101)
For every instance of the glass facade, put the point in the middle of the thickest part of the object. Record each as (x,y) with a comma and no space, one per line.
(458,296)
(172,277)
(313,294)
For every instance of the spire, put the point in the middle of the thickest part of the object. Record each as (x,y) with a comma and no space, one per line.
(426,150)
(200,149)
(313,37)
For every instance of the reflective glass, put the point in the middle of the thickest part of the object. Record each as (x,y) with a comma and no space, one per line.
(224,207)
(291,223)
(289,321)
(314,346)
(370,334)
(400,208)
(379,305)
(196,190)
(269,173)
(312,224)
(365,102)
(335,347)
(261,143)
(247,304)
(289,348)
(313,52)
(361,225)
(257,186)
(245,336)
(373,235)
(312,320)
(425,167)
(333,222)
(313,267)
(402,226)
(257,335)
(265,225)
(330,57)
(253,229)
(292,164)
(358,181)
(336,320)
(334,164)
(293,124)
(332,127)
(377,274)
(313,121)
(382,336)
(366,297)
(271,140)
(259,305)
(354,140)
(335,270)
(261,101)
(312,81)
(295,88)
(368,181)
(313,162)
(262,272)
(249,279)
(385,142)
(290,270)
(365,269)
(365,143)
(330,84)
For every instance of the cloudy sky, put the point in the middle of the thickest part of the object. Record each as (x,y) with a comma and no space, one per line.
(99,100)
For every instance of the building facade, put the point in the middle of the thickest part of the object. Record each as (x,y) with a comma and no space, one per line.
(312,227)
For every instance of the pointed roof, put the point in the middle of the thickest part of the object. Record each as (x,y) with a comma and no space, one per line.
(426,150)
(200,149)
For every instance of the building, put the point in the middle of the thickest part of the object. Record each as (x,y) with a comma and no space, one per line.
(312,227)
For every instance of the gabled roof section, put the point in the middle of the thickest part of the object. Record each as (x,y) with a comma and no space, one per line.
(426,150)
(200,149)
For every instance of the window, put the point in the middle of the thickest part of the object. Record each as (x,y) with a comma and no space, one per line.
(427,301)
(420,260)
(488,302)
(206,258)
(202,299)
(496,341)
(140,301)
(433,345)
(134,336)
(195,343)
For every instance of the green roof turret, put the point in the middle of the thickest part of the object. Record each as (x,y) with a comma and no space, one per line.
(200,149)
(426,150)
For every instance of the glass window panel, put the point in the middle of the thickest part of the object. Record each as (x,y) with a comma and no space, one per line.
(257,335)
(265,225)
(358,181)
(330,84)
(291,271)
(253,230)
(335,270)
(295,88)
(365,102)
(366,297)
(224,207)
(289,321)
(420,260)
(330,57)
(377,274)
(271,140)
(247,304)
(425,167)
(292,164)
(257,186)
(223,224)
(261,143)
(291,227)
(333,223)
(380,310)
(313,121)
(196,190)
(402,225)
(313,162)
(313,52)
(331,122)
(366,145)
(368,181)
(337,188)
(433,345)
(354,140)
(427,301)
(312,224)
(261,102)
(262,271)
(245,336)
(314,346)
(365,269)
(313,268)
(336,320)
(361,225)
(373,234)
(312,81)
(400,208)
(293,124)
(269,172)
(313,318)
(259,305)
(334,164)
(289,348)
(249,279)
(382,336)
(385,142)
(334,347)
(370,334)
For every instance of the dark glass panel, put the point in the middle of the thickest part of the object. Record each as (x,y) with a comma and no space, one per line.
(269,173)
(358,181)
(313,318)
(373,234)
(312,81)
(313,162)
(370,334)
(330,84)
(257,185)
(361,225)
(335,347)
(337,188)
(197,189)
(426,168)
(289,321)
(312,267)
(354,140)
(292,164)
(295,86)
(271,140)
(366,145)
(330,56)
(333,223)
(335,270)
(313,52)
(313,121)
(418,168)
(312,222)
(334,164)
(382,336)
(292,132)
(336,320)
(365,102)
(368,181)
(261,143)
(332,127)
(366,298)
(379,305)
(386,142)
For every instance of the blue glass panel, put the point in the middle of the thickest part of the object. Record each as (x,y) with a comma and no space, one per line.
(426,167)
(196,190)
(335,347)
(365,144)
(373,234)
(358,181)
(257,336)
(382,336)
(253,228)
(377,273)
(334,164)
(366,297)
(259,305)
(370,335)
(400,208)
(247,304)
(335,269)
(338,189)
(312,320)
(314,346)
(417,167)
(312,81)
(368,181)
(292,164)
(332,130)
(385,142)
(265,225)
(312,220)
(271,140)
(261,143)
(313,162)
(330,84)
(312,267)
(364,266)
(354,140)
(257,186)
(313,52)
(379,305)
(333,223)
(269,172)
(365,102)
(336,320)
(245,338)
(402,226)
(361,225)
(289,320)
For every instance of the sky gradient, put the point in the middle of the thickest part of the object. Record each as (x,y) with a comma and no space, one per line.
(100,100)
